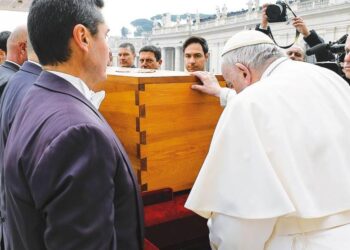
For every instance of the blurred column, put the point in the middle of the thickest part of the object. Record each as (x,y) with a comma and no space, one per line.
(164,58)
(178,58)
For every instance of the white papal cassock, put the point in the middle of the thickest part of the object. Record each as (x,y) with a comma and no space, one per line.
(279,163)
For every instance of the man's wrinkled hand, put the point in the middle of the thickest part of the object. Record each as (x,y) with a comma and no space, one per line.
(210,84)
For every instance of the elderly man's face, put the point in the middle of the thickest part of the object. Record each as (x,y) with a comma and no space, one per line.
(346,66)
(296,54)
(234,78)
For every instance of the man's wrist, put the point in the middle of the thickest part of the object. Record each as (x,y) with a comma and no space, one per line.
(263,27)
(306,33)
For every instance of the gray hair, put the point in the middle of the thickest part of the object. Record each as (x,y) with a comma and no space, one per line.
(129,46)
(253,56)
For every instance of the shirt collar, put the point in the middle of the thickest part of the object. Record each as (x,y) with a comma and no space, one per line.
(273,66)
(95,98)
(13,63)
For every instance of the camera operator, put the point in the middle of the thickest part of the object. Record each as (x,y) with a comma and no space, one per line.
(310,36)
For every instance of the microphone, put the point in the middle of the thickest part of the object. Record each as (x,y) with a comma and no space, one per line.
(318,48)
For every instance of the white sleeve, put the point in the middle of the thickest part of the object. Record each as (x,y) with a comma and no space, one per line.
(225,95)
(230,233)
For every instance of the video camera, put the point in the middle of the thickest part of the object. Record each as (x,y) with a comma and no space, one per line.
(337,48)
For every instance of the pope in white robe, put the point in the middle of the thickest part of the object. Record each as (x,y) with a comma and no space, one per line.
(277,174)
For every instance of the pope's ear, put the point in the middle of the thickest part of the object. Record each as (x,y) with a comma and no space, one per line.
(245,72)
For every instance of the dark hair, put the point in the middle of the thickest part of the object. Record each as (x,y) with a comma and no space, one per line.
(51,23)
(196,39)
(128,46)
(150,48)
(4,35)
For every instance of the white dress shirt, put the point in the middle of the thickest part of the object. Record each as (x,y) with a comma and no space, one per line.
(95,98)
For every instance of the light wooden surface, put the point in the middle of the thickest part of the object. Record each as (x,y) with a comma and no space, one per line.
(164,125)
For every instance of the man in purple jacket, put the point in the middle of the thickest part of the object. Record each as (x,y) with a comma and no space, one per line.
(11,98)
(68,181)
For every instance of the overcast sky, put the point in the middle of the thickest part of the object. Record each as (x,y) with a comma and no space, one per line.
(121,13)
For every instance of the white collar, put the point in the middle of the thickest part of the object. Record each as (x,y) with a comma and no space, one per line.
(94,98)
(273,66)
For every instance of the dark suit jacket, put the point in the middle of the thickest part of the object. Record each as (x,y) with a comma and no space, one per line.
(69,183)
(7,69)
(12,97)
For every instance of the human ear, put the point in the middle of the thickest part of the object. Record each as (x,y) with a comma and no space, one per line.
(245,73)
(81,36)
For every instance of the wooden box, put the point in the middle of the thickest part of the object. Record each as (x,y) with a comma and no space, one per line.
(164,125)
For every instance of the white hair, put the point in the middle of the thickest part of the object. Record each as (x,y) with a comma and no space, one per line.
(253,56)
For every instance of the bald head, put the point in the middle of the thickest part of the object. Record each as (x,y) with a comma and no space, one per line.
(17,45)
(296,53)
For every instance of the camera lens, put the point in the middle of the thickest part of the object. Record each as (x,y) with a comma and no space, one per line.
(273,11)
(276,12)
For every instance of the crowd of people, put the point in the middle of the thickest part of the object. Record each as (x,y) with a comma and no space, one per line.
(196,49)
(277,170)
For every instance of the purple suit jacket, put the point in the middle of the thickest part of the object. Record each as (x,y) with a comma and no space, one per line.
(69,183)
(14,92)
(7,69)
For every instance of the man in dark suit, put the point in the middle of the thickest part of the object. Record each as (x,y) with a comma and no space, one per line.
(16,55)
(12,97)
(4,35)
(68,181)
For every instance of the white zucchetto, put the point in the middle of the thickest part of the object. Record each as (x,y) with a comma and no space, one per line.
(245,38)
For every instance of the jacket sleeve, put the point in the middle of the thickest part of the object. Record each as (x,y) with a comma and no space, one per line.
(73,186)
(226,95)
(314,39)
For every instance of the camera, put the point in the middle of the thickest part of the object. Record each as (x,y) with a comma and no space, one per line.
(332,48)
(277,12)
(338,49)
